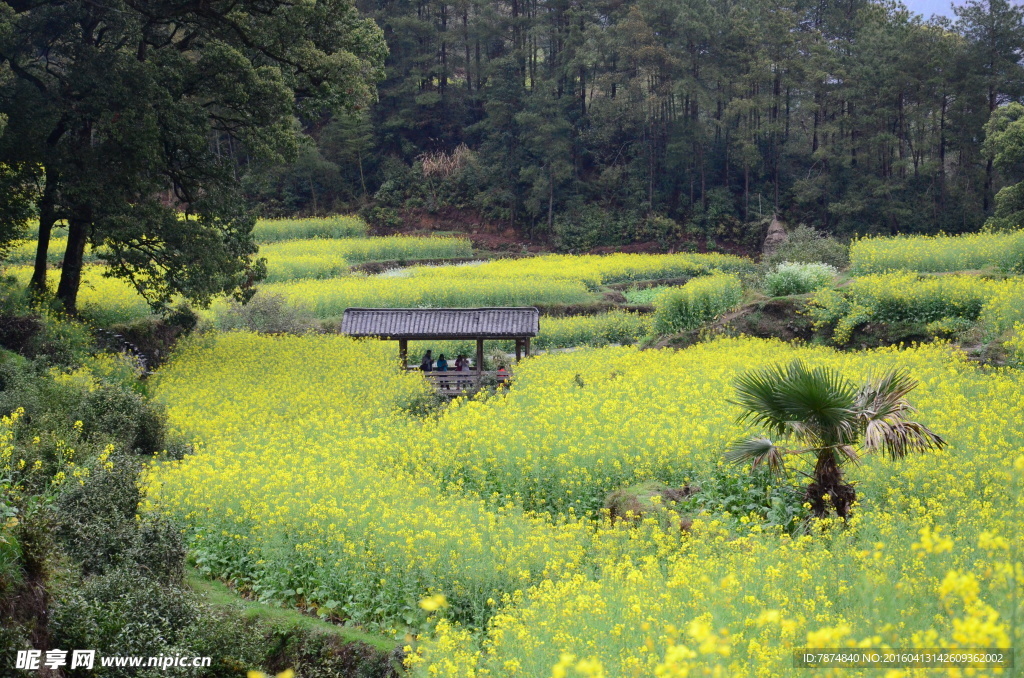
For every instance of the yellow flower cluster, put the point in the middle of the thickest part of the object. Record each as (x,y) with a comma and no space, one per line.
(101,299)
(595,270)
(315,481)
(938,253)
(272,230)
(7,424)
(329,298)
(323,258)
(553,279)
(697,302)
(24,253)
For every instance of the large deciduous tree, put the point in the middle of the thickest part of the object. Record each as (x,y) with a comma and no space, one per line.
(137,113)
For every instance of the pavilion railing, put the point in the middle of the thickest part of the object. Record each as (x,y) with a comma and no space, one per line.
(463,381)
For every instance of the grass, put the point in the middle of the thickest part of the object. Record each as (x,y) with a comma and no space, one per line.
(219,595)
(644,296)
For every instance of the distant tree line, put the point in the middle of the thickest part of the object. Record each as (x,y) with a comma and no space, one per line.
(591,119)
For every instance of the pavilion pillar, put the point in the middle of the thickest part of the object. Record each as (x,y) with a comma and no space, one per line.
(479,360)
(527,340)
(403,352)
(519,349)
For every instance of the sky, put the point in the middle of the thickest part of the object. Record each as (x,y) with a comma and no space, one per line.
(929,7)
(941,7)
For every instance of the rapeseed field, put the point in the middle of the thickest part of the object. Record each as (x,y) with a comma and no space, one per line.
(321,480)
(939,253)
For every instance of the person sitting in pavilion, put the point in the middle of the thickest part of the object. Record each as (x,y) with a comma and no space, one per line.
(442,366)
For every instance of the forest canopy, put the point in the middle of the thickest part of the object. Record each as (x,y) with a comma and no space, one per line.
(588,117)
(584,122)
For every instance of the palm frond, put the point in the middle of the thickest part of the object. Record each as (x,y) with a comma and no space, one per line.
(898,437)
(884,413)
(757,451)
(848,453)
(814,404)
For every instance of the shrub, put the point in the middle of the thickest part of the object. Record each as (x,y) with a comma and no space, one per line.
(807,246)
(97,526)
(125,612)
(586,227)
(904,297)
(697,302)
(793,278)
(124,415)
(265,312)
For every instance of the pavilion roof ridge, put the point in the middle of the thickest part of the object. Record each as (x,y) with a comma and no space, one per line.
(494,322)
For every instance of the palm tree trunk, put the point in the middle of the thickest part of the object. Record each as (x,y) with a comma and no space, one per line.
(829,490)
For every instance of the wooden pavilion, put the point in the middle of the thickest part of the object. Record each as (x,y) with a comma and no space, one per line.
(436,324)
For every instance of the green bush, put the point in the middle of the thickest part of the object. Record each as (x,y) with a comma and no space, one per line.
(589,226)
(97,526)
(131,421)
(807,246)
(125,612)
(265,312)
(793,278)
(697,302)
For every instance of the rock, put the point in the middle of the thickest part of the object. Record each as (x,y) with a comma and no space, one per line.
(632,503)
(776,236)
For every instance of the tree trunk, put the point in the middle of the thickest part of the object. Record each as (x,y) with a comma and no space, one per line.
(71,271)
(47,218)
(551,199)
(829,490)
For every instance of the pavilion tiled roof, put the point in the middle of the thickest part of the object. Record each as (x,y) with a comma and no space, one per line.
(441,323)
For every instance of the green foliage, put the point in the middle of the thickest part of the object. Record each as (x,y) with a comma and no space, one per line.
(143,122)
(904,298)
(730,496)
(808,246)
(265,312)
(1004,144)
(697,302)
(587,226)
(646,295)
(97,526)
(37,333)
(19,190)
(126,612)
(790,278)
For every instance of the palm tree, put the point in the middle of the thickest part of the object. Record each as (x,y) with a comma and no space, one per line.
(824,415)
